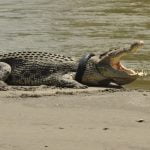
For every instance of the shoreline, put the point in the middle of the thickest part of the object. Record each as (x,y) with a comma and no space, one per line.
(41,91)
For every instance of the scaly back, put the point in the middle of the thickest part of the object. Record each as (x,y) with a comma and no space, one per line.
(29,67)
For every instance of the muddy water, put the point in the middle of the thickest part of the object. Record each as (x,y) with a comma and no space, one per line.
(74,27)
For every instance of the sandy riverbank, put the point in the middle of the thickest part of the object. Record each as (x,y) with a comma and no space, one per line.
(94,118)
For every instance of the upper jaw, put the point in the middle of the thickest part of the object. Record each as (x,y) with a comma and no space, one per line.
(118,54)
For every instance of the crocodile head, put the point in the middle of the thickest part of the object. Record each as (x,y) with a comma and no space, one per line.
(110,67)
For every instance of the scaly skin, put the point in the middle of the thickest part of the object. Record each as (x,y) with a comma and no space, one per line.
(42,68)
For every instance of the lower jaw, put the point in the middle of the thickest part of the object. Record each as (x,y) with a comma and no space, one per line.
(123,81)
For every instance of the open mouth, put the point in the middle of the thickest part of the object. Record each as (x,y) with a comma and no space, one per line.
(118,66)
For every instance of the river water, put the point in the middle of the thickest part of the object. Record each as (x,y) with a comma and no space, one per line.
(74,27)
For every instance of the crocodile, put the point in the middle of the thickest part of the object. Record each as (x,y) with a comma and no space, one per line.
(34,68)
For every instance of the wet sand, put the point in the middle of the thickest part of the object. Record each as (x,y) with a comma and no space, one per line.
(69,119)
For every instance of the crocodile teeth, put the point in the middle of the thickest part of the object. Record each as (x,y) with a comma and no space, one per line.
(141,73)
